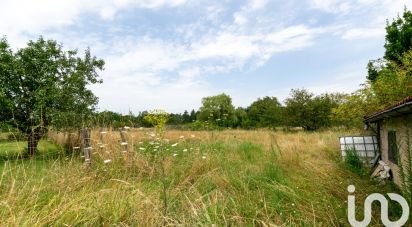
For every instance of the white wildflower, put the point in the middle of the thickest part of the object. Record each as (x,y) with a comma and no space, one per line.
(174,155)
(107,161)
(193,136)
(75,148)
(123,143)
(203,157)
(142,148)
(152,134)
(174,145)
(181,137)
(103,132)
(184,150)
(126,127)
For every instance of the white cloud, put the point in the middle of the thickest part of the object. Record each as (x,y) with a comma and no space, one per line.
(363,33)
(332,6)
(27,16)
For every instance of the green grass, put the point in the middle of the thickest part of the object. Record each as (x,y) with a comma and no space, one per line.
(14,150)
(235,182)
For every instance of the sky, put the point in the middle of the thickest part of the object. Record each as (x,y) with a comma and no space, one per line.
(169,54)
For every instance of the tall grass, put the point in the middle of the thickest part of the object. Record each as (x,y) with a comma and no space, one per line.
(232,177)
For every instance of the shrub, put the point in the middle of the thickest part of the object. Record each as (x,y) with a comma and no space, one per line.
(354,162)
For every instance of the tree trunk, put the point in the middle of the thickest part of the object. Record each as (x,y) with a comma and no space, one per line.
(33,140)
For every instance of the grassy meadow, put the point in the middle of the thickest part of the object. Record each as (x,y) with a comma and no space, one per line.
(188,178)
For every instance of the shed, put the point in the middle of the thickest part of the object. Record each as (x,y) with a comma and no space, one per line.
(393,126)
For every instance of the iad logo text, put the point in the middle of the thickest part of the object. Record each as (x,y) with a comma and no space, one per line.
(384,209)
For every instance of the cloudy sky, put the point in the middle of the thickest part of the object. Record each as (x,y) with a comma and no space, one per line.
(170,53)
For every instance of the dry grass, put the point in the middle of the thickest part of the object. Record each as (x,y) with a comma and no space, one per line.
(231,177)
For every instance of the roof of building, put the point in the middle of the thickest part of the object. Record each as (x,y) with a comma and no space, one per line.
(400,108)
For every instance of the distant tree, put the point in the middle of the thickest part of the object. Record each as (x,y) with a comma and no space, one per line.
(193,115)
(298,110)
(311,112)
(43,85)
(265,112)
(175,119)
(241,118)
(186,117)
(217,110)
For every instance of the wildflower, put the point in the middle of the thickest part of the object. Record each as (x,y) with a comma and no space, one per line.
(126,127)
(123,143)
(193,136)
(293,204)
(75,148)
(181,137)
(142,148)
(103,132)
(156,147)
(152,134)
(174,145)
(203,157)
(107,161)
(184,150)
(87,160)
(174,155)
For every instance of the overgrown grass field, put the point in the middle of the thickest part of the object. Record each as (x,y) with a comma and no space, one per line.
(226,178)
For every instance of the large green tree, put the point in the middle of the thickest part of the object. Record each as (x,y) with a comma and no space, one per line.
(311,112)
(42,85)
(265,112)
(218,110)
(398,41)
(398,37)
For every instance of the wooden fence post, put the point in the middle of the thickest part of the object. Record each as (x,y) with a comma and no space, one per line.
(85,135)
(124,143)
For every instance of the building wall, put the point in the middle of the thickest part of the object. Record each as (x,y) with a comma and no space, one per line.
(403,127)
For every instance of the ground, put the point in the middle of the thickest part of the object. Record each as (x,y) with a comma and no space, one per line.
(231,177)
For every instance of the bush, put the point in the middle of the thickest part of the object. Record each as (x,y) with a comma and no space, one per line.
(354,162)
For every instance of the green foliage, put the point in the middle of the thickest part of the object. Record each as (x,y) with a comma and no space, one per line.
(157,118)
(218,110)
(43,85)
(398,37)
(398,42)
(304,109)
(265,112)
(354,163)
(394,82)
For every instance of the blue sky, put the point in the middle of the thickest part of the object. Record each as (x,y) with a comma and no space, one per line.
(169,54)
